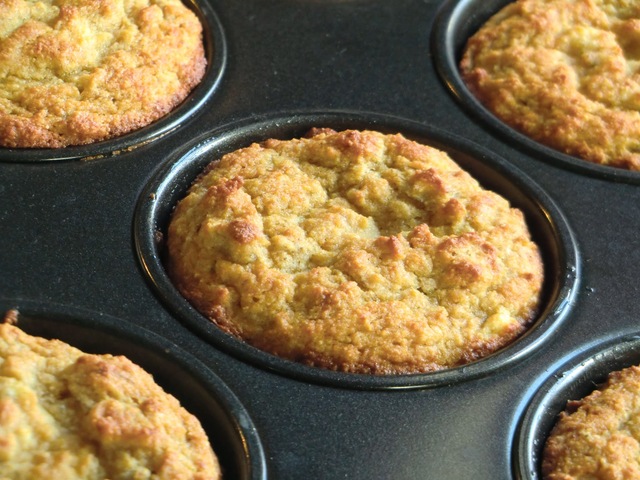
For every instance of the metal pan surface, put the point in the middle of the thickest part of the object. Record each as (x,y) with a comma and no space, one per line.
(79,249)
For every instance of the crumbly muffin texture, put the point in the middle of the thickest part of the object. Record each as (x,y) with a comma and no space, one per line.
(75,72)
(598,437)
(564,72)
(69,415)
(355,251)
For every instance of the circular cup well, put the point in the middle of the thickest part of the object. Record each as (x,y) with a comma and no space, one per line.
(216,55)
(225,420)
(573,379)
(549,229)
(456,21)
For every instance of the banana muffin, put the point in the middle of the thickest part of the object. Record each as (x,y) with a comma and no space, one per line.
(598,437)
(75,72)
(354,251)
(69,415)
(565,73)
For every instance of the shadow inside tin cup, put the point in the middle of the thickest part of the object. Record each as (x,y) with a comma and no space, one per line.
(216,55)
(456,21)
(547,224)
(229,428)
(574,379)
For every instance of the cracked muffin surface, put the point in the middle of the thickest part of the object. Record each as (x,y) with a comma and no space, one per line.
(598,437)
(76,72)
(565,73)
(67,414)
(354,251)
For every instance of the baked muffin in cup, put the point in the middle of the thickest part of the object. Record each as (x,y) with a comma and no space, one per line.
(355,251)
(68,414)
(564,73)
(597,437)
(74,73)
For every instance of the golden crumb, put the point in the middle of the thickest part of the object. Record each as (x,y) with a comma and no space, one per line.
(75,72)
(66,414)
(598,437)
(355,251)
(566,73)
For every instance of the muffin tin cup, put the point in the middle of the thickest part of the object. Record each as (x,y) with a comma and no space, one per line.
(231,432)
(572,378)
(216,55)
(548,226)
(456,21)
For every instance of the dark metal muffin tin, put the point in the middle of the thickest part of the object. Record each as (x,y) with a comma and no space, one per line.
(79,235)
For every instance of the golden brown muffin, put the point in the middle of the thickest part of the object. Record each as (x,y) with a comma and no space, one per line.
(69,415)
(75,72)
(564,72)
(355,251)
(598,437)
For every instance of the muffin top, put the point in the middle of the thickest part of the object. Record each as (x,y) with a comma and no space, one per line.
(354,251)
(69,415)
(598,437)
(75,72)
(564,72)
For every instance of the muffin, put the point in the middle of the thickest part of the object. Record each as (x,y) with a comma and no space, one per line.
(565,73)
(76,72)
(598,437)
(354,251)
(67,414)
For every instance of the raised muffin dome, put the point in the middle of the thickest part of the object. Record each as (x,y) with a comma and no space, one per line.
(564,73)
(355,251)
(73,73)
(72,415)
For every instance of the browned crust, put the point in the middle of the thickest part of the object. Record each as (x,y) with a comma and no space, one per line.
(355,251)
(598,437)
(76,91)
(67,414)
(564,73)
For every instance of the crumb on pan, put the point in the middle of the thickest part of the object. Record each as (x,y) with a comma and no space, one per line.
(11,316)
(566,73)
(355,251)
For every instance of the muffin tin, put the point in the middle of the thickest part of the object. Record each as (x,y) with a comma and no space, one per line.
(81,250)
